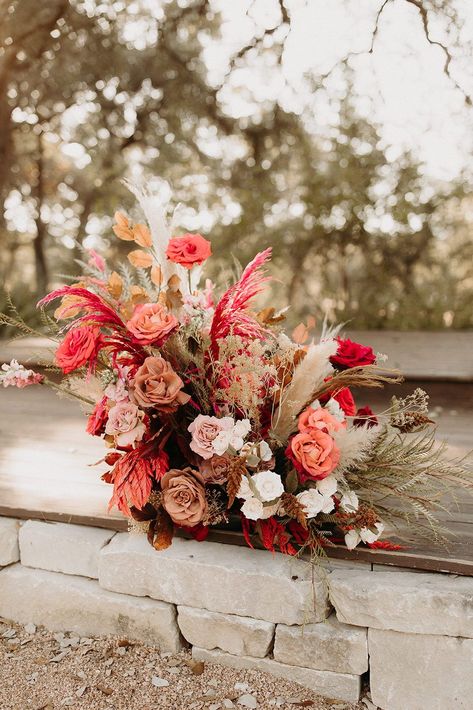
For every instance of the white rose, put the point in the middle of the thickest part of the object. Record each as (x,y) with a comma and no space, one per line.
(244,491)
(327,486)
(312,501)
(268,485)
(352,539)
(252,509)
(240,430)
(369,536)
(221,442)
(349,502)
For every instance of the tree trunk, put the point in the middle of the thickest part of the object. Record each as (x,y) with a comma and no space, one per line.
(41,267)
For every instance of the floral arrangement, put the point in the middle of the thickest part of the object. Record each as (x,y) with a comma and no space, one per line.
(208,410)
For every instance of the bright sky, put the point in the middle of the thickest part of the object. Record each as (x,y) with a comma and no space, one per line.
(402,84)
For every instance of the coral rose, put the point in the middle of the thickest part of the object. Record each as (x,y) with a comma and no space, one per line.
(184,496)
(188,250)
(320,419)
(157,385)
(80,345)
(152,324)
(350,354)
(97,420)
(314,454)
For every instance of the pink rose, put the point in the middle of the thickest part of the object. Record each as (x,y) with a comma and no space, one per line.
(125,423)
(184,496)
(80,345)
(215,470)
(157,385)
(204,431)
(314,454)
(188,250)
(152,324)
(319,419)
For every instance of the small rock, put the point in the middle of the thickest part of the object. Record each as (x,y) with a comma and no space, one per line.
(215,706)
(213,682)
(247,701)
(227,703)
(80,691)
(30,629)
(159,682)
(244,687)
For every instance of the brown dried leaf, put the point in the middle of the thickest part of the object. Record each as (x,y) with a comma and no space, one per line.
(164,531)
(115,285)
(236,471)
(197,667)
(294,508)
(268,316)
(138,295)
(121,219)
(123,233)
(141,259)
(142,235)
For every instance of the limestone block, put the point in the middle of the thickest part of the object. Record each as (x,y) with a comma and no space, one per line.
(239,635)
(338,686)
(418,672)
(9,551)
(328,646)
(217,577)
(65,603)
(404,601)
(60,547)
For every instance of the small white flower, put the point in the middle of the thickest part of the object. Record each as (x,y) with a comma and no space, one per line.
(369,536)
(221,442)
(352,539)
(327,486)
(269,510)
(252,509)
(244,491)
(264,451)
(349,502)
(315,503)
(268,485)
(232,436)
(335,410)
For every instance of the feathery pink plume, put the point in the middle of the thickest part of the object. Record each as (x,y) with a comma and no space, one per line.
(96,306)
(230,316)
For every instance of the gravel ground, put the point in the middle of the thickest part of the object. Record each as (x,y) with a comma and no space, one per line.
(40,670)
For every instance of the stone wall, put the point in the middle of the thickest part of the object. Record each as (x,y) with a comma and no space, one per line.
(410,634)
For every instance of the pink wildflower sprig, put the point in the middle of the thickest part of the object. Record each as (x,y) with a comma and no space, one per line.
(16,375)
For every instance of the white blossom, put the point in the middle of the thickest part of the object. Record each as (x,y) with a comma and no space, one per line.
(349,502)
(268,485)
(354,537)
(327,486)
(244,491)
(314,502)
(233,436)
(252,509)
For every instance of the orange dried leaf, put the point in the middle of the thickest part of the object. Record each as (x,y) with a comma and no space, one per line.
(300,333)
(121,219)
(123,233)
(115,285)
(140,259)
(142,235)
(156,275)
(164,531)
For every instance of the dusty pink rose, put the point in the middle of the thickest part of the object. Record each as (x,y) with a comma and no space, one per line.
(184,496)
(157,385)
(125,423)
(215,470)
(152,324)
(188,250)
(204,430)
(319,419)
(314,454)
(80,346)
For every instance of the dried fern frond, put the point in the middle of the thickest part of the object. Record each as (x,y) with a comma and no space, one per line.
(294,509)
(236,471)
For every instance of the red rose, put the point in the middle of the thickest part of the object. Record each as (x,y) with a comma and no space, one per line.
(350,354)
(80,345)
(365,416)
(188,250)
(98,419)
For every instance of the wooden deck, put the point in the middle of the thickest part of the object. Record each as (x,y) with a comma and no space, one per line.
(45,471)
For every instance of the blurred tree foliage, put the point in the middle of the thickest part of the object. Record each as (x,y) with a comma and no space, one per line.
(92,91)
